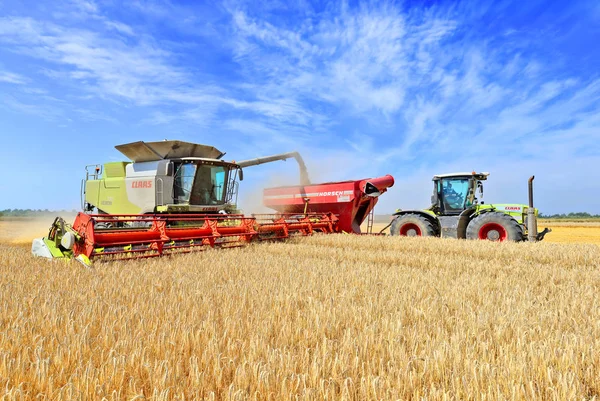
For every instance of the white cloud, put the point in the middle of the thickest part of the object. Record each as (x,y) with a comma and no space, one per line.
(38,110)
(12,78)
(85,5)
(108,66)
(356,60)
(120,27)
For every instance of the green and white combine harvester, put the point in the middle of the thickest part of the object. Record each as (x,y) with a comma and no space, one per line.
(175,196)
(170,195)
(456,212)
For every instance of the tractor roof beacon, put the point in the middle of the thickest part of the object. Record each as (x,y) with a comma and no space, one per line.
(458,211)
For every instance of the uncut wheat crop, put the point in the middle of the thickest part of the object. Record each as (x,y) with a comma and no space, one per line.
(327,317)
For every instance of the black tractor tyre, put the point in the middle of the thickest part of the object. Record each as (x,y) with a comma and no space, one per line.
(495,226)
(412,225)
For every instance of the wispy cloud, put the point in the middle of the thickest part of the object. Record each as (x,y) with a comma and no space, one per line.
(48,112)
(107,66)
(12,78)
(87,6)
(119,27)
(356,60)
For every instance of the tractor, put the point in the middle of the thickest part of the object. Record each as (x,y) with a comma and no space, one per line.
(457,212)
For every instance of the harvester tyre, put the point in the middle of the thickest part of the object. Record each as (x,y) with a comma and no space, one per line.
(412,225)
(495,226)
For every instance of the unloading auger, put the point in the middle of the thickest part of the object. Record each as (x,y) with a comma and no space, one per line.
(177,197)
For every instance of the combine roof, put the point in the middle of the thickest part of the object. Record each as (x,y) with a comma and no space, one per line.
(151,151)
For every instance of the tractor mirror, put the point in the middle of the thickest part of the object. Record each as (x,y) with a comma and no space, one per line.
(241,175)
(434,198)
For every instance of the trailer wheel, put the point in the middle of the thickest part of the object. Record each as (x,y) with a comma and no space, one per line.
(494,226)
(412,225)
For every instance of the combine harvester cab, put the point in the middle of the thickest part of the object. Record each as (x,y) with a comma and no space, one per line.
(175,197)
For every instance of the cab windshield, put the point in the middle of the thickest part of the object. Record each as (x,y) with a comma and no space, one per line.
(201,184)
(455,194)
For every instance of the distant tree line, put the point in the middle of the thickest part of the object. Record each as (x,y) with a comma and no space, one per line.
(30,212)
(578,215)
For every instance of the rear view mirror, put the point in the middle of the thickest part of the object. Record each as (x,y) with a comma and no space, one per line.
(436,190)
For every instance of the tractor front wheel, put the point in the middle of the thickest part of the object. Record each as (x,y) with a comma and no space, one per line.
(494,226)
(412,225)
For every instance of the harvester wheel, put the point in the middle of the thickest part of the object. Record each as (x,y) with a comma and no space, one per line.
(494,226)
(412,225)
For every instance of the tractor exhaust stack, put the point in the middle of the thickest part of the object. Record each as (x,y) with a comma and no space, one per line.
(532,233)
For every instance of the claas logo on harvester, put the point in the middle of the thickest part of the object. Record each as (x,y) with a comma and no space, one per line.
(142,184)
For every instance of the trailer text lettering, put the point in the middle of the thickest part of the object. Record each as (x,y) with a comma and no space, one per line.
(332,193)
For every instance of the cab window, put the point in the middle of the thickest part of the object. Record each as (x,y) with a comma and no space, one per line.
(209,186)
(455,193)
(184,180)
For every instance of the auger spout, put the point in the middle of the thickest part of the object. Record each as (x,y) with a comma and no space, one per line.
(374,187)
(304,180)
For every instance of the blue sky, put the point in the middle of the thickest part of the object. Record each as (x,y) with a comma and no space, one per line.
(359,88)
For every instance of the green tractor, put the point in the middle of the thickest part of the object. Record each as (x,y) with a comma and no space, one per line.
(456,212)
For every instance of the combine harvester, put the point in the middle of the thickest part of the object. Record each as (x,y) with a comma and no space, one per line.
(176,197)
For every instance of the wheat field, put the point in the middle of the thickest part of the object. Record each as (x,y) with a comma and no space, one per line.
(336,317)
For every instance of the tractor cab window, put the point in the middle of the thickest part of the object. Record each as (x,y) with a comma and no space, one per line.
(184,180)
(455,194)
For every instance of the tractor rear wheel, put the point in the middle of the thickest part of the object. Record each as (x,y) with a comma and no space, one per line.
(494,226)
(412,225)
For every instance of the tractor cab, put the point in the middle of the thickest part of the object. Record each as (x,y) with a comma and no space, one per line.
(453,193)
